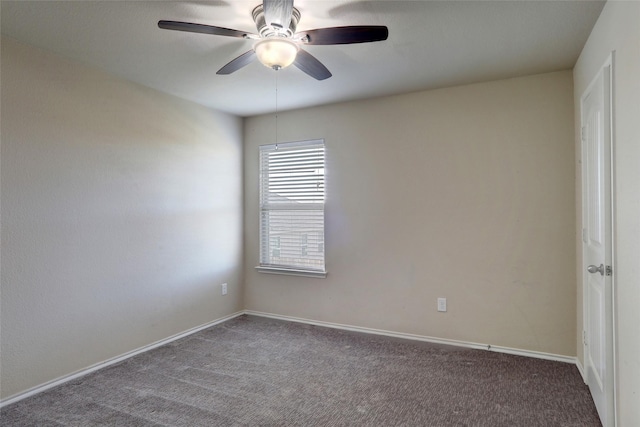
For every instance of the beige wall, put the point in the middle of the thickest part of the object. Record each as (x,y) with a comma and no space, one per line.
(121,216)
(465,193)
(618,28)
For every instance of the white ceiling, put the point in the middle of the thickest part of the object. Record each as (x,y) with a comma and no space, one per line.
(431,44)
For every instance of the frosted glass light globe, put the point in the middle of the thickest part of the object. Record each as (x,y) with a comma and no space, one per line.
(276,53)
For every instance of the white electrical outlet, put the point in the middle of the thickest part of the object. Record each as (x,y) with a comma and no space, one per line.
(224,289)
(442,304)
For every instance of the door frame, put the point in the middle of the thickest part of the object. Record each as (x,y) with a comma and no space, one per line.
(610,255)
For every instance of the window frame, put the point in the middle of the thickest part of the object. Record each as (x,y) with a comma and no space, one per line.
(284,269)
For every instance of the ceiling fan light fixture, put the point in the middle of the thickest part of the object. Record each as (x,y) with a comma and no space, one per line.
(275,52)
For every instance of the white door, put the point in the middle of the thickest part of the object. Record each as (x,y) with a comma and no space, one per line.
(596,236)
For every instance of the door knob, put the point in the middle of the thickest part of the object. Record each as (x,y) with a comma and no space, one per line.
(594,269)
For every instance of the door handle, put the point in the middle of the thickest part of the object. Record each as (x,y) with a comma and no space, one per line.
(593,269)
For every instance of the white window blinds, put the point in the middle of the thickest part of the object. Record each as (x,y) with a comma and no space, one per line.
(292,206)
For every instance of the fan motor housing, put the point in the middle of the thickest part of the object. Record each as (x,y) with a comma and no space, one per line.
(270,31)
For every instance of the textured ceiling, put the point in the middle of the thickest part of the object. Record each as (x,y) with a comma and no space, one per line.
(431,44)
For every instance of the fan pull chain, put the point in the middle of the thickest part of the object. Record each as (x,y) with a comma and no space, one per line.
(276,109)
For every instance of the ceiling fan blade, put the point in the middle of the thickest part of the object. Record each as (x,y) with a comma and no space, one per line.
(241,61)
(203,29)
(277,13)
(310,65)
(344,35)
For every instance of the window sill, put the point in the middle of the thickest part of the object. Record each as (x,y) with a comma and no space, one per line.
(292,272)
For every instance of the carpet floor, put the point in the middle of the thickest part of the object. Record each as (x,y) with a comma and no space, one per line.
(253,371)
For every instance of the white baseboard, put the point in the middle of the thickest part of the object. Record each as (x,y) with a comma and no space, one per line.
(498,349)
(581,369)
(65,378)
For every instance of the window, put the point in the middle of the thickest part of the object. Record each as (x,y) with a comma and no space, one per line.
(292,208)
(275,247)
(303,244)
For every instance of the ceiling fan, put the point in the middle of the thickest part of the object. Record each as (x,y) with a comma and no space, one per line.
(277,43)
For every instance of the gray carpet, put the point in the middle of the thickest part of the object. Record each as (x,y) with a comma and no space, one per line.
(253,371)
